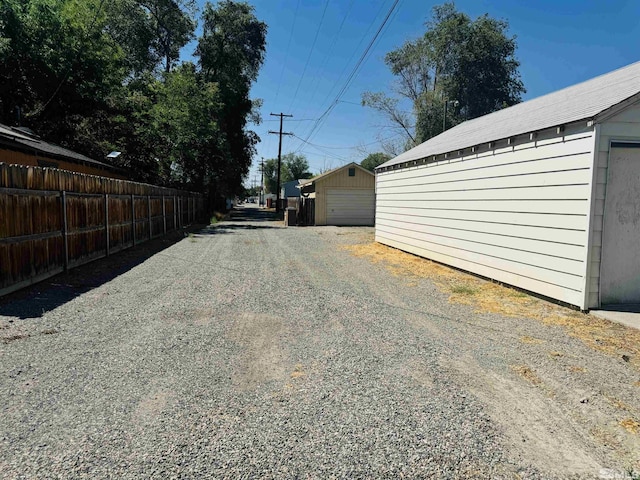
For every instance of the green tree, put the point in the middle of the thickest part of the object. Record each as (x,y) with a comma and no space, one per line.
(231,51)
(374,159)
(270,173)
(96,76)
(294,167)
(470,61)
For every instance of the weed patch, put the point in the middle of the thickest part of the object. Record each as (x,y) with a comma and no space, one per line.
(631,425)
(528,374)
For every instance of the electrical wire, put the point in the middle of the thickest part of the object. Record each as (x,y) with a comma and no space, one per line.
(353,73)
(329,53)
(351,58)
(352,147)
(286,56)
(313,45)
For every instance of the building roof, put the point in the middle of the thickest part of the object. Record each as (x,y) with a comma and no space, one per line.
(331,172)
(22,139)
(584,101)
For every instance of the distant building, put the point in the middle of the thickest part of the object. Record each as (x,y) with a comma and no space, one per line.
(289,189)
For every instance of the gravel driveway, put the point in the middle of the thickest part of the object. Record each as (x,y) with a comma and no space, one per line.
(249,350)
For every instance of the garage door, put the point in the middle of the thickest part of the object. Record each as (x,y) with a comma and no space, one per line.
(350,207)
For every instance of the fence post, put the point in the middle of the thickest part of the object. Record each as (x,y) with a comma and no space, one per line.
(106,222)
(189,210)
(164,216)
(65,240)
(133,218)
(149,212)
(175,217)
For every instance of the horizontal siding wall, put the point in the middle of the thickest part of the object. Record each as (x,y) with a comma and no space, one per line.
(517,213)
(340,180)
(624,126)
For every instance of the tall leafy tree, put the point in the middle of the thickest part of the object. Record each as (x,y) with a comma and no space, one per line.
(270,172)
(102,75)
(294,167)
(231,51)
(373,160)
(470,61)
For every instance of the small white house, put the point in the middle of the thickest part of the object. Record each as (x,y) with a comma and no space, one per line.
(544,195)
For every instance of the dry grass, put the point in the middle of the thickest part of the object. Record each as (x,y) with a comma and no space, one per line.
(631,425)
(577,369)
(487,296)
(527,373)
(298,372)
(556,354)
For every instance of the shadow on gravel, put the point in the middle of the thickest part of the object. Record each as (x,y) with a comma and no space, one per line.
(266,219)
(249,214)
(230,227)
(36,300)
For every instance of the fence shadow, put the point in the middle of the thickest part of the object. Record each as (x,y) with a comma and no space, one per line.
(36,300)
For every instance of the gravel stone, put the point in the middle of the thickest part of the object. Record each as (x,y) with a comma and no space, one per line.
(249,350)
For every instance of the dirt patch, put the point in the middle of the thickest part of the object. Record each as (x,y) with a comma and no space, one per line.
(487,296)
(533,427)
(152,405)
(531,340)
(528,374)
(263,357)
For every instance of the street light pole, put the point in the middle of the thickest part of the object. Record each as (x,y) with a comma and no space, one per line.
(455,103)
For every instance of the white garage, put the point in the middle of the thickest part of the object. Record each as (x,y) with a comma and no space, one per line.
(343,196)
(544,195)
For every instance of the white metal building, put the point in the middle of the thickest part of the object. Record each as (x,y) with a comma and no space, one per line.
(544,195)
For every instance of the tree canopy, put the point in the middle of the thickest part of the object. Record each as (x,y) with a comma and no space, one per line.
(374,159)
(102,75)
(293,167)
(469,63)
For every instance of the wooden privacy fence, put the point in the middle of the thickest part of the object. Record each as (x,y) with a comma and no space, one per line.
(306,211)
(53,220)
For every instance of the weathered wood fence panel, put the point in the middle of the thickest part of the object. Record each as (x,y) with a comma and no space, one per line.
(52,220)
(306,211)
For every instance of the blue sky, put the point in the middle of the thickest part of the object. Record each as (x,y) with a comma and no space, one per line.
(559,44)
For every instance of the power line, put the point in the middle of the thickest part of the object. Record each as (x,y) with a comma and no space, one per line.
(324,11)
(348,148)
(346,65)
(353,73)
(329,53)
(286,56)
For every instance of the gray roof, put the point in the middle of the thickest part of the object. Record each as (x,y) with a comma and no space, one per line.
(579,102)
(23,140)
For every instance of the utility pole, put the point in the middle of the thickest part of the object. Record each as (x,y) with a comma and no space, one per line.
(262,183)
(281,115)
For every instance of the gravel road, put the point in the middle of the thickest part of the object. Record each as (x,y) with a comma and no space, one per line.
(249,350)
